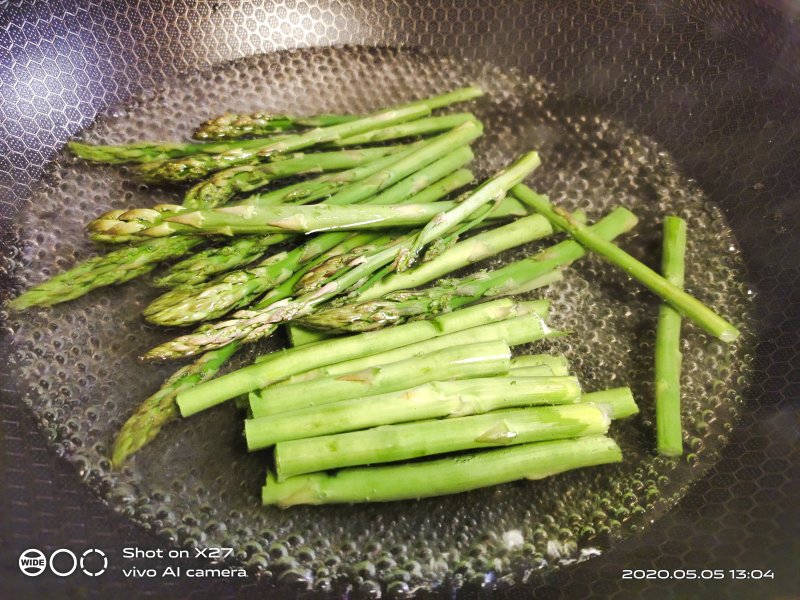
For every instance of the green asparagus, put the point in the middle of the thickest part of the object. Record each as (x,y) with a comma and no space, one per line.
(533,365)
(391,443)
(449,475)
(618,403)
(685,304)
(231,126)
(459,362)
(669,436)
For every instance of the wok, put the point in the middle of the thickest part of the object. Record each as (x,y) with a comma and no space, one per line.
(713,86)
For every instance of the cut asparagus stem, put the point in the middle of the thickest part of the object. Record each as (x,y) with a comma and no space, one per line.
(252,325)
(532,365)
(685,304)
(199,165)
(160,408)
(428,401)
(300,336)
(392,443)
(473,360)
(669,435)
(296,360)
(449,475)
(232,126)
(99,271)
(222,186)
(617,402)
(184,305)
(493,189)
(520,330)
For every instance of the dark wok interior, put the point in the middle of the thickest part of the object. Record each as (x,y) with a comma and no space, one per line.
(715,83)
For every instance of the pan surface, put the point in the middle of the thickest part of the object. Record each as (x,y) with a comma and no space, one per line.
(75,365)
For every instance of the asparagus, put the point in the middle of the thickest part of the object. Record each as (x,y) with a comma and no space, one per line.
(160,408)
(251,325)
(618,403)
(428,401)
(449,475)
(460,362)
(408,129)
(533,365)
(668,344)
(493,189)
(199,165)
(296,360)
(224,185)
(300,336)
(391,443)
(520,330)
(161,220)
(231,126)
(109,269)
(185,305)
(685,304)
(395,307)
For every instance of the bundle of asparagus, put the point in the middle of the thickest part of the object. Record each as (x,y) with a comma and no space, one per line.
(429,370)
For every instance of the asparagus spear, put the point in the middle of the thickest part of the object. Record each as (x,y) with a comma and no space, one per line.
(533,365)
(618,403)
(391,443)
(184,305)
(668,344)
(109,269)
(296,360)
(231,126)
(251,325)
(224,185)
(301,336)
(408,129)
(428,401)
(199,165)
(473,360)
(520,330)
(681,301)
(514,278)
(449,475)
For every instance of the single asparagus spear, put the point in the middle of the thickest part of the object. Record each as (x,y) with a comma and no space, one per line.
(199,165)
(160,408)
(449,475)
(109,269)
(392,443)
(300,336)
(533,365)
(618,403)
(472,360)
(423,126)
(222,186)
(231,126)
(251,325)
(396,307)
(520,330)
(685,304)
(296,360)
(493,189)
(428,401)
(668,344)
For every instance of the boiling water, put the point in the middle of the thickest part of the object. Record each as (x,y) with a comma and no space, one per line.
(196,485)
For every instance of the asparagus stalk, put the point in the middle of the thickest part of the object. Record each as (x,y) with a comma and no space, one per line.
(533,365)
(685,304)
(396,307)
(199,165)
(184,305)
(99,271)
(296,360)
(428,401)
(392,443)
(251,325)
(618,403)
(408,129)
(521,330)
(493,189)
(300,336)
(231,126)
(224,185)
(160,408)
(449,475)
(472,360)
(668,344)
